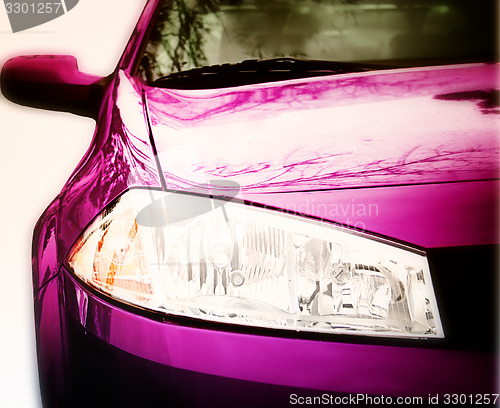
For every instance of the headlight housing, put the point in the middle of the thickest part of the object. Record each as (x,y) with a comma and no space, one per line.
(187,255)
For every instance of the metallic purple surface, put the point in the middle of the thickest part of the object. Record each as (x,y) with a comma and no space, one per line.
(120,157)
(193,127)
(134,46)
(409,154)
(360,129)
(428,215)
(67,71)
(44,250)
(196,130)
(321,365)
(51,348)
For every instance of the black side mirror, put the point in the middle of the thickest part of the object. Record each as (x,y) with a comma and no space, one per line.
(52,82)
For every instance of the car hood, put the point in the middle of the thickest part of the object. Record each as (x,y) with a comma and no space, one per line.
(402,153)
(354,130)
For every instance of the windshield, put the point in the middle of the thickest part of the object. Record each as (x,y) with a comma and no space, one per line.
(396,33)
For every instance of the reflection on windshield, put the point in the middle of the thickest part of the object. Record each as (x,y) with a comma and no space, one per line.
(194,33)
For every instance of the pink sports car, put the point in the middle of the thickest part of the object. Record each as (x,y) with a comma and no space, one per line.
(285,202)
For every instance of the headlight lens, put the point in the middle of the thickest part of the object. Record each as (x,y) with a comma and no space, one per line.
(224,261)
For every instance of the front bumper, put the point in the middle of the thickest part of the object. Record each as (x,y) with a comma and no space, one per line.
(116,357)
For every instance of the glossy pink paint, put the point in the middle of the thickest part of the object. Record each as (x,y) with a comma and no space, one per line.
(350,130)
(410,154)
(319,365)
(426,215)
(291,144)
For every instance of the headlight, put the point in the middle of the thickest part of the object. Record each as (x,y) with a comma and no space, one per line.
(228,262)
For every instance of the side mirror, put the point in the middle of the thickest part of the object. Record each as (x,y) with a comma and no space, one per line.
(52,82)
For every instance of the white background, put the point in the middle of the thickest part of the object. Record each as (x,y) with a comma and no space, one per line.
(38,152)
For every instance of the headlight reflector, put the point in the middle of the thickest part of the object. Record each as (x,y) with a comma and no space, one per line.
(222,261)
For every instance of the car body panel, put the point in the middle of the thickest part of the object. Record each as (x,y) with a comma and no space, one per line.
(379,128)
(121,157)
(131,55)
(339,367)
(45,262)
(51,342)
(409,154)
(425,215)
